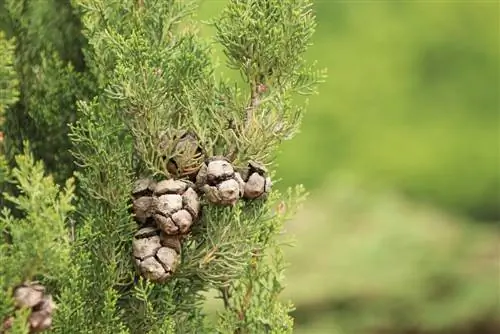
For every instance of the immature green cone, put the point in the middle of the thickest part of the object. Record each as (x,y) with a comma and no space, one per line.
(32,295)
(156,254)
(219,182)
(257,183)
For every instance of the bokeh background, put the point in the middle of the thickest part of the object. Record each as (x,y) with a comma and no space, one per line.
(400,154)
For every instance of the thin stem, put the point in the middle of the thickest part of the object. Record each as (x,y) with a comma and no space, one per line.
(226,296)
(253,104)
(248,295)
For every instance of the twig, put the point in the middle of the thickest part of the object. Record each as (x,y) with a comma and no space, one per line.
(253,104)
(226,296)
(255,89)
(246,301)
(72,222)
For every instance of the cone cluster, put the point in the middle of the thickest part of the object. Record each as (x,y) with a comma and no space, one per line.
(166,210)
(32,295)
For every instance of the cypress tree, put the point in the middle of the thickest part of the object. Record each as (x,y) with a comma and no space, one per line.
(149,121)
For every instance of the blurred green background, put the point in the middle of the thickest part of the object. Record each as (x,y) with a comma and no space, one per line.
(400,152)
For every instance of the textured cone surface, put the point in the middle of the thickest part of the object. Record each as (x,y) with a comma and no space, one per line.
(156,255)
(256,167)
(7,324)
(168,204)
(188,156)
(171,241)
(269,183)
(219,170)
(170,186)
(152,270)
(166,224)
(229,192)
(39,321)
(41,317)
(28,295)
(145,247)
(142,204)
(257,184)
(32,295)
(191,202)
(146,232)
(219,182)
(183,220)
(143,187)
(176,206)
(168,258)
(142,208)
(241,183)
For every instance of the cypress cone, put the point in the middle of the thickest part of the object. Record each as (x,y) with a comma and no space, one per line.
(219,182)
(156,254)
(257,183)
(175,206)
(32,295)
(165,211)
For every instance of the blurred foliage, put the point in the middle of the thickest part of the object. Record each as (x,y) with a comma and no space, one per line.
(49,66)
(366,261)
(9,93)
(411,101)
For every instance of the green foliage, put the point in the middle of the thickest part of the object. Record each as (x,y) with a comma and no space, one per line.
(48,63)
(46,208)
(412,105)
(139,74)
(37,245)
(266,42)
(9,93)
(252,304)
(153,79)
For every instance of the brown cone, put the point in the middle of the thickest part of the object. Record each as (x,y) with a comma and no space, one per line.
(41,316)
(166,214)
(257,183)
(219,182)
(156,254)
(31,295)
(28,294)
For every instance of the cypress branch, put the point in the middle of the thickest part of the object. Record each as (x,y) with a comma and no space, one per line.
(146,105)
